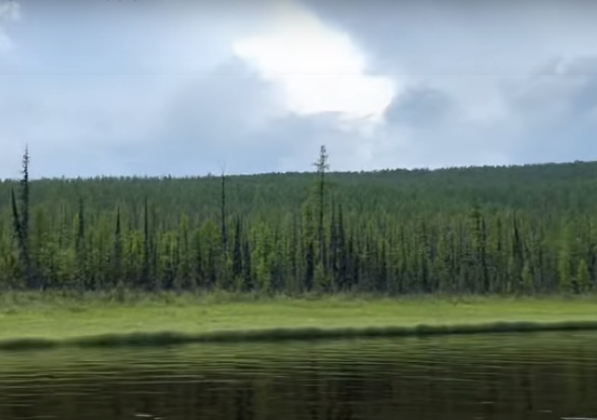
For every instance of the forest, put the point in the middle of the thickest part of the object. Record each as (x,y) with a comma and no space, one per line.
(528,229)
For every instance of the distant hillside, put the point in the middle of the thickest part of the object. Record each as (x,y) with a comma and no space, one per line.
(519,229)
(570,187)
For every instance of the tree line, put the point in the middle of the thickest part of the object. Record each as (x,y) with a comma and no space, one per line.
(520,230)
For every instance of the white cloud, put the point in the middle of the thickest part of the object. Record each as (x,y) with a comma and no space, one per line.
(319,68)
(10,12)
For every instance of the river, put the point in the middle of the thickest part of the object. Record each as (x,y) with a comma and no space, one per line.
(500,377)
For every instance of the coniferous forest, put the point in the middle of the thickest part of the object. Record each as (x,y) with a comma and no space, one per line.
(519,230)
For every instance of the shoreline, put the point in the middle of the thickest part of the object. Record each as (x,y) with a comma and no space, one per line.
(169,338)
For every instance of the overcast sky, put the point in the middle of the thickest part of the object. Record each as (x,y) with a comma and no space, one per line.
(153,87)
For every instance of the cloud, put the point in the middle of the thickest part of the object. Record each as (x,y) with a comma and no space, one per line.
(91,104)
(105,102)
(525,94)
(549,115)
(173,87)
(420,106)
(319,68)
(232,116)
(10,12)
(211,120)
(556,111)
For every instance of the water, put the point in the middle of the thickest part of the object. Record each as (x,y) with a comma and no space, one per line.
(539,376)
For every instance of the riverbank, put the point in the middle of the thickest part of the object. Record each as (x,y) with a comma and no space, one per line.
(35,320)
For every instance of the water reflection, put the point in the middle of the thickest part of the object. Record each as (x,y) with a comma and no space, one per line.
(541,376)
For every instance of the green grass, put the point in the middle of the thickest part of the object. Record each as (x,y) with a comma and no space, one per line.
(34,320)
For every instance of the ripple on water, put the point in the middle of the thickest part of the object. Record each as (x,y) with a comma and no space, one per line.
(533,376)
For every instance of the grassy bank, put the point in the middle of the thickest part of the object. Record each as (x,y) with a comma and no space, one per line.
(47,320)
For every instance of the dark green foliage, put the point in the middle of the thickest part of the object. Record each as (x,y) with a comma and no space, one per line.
(223,214)
(527,229)
(321,165)
(21,223)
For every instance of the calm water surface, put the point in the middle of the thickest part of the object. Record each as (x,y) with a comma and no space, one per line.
(539,376)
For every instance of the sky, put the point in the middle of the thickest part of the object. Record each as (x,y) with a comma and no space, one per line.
(155,87)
